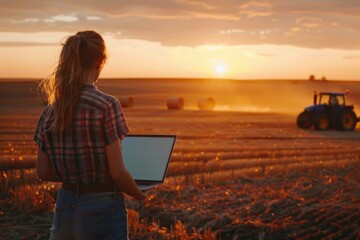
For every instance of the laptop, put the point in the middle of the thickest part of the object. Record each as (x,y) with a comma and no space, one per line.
(147,158)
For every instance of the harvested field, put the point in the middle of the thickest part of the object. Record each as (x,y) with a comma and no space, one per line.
(241,171)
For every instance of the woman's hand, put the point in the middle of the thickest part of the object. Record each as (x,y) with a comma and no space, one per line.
(119,174)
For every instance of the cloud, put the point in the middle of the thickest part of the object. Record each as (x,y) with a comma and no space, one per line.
(353,57)
(266,54)
(26,39)
(93,18)
(62,18)
(303,23)
(309,22)
(26,44)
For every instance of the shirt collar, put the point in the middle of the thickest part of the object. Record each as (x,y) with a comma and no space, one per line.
(89,86)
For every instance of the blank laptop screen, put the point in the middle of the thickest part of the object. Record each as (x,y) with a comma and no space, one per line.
(147,157)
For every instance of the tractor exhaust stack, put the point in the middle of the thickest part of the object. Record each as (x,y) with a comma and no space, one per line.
(315,97)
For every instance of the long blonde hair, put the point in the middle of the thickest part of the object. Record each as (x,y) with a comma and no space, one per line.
(81,54)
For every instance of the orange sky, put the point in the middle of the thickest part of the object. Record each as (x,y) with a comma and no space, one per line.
(287,39)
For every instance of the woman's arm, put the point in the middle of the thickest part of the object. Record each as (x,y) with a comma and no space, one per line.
(119,174)
(44,169)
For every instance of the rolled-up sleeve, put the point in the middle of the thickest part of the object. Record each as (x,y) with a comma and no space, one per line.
(38,136)
(115,125)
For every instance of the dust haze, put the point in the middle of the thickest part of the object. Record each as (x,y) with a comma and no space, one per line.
(276,96)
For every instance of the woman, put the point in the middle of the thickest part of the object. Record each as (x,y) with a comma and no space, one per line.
(79,144)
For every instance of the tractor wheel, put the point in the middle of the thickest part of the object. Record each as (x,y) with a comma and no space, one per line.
(304,120)
(322,122)
(347,120)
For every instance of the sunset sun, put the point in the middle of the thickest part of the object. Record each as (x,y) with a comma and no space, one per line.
(220,69)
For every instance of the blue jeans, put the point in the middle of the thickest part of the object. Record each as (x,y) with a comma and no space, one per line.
(89,216)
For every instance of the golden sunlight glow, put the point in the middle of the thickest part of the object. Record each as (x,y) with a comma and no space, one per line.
(220,69)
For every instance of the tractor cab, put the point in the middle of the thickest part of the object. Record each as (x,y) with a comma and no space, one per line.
(329,111)
(332,99)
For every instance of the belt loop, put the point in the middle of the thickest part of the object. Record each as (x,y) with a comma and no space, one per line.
(77,190)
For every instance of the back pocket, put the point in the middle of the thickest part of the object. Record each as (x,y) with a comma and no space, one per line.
(98,222)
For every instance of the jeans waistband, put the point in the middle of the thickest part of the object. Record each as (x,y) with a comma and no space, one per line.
(91,188)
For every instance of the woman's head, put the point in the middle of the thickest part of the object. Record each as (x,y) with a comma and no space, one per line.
(81,60)
(84,51)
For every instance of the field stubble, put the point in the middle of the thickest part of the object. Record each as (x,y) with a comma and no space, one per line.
(233,175)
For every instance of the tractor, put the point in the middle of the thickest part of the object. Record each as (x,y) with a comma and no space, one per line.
(328,112)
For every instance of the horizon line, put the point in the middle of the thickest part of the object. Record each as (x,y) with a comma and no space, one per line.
(20,79)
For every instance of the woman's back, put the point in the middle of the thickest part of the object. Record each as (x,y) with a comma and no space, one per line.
(78,153)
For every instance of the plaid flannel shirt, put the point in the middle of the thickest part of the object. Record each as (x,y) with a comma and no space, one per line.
(78,153)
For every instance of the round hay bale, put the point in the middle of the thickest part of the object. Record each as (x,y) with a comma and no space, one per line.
(206,104)
(176,103)
(127,102)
